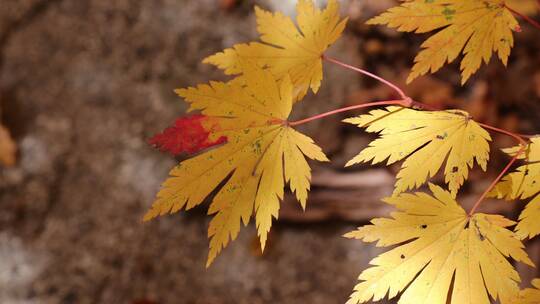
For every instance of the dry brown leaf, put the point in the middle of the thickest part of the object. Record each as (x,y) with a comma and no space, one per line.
(7,148)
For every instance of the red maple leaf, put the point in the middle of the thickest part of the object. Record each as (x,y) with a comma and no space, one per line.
(187,135)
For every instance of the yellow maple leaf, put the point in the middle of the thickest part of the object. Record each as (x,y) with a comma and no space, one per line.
(523,184)
(261,154)
(287,49)
(530,295)
(425,139)
(439,246)
(475,28)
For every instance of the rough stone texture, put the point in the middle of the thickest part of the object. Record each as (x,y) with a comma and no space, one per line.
(83,84)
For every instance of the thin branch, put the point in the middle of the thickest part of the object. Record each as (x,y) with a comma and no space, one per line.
(524,17)
(528,136)
(407,102)
(494,183)
(517,137)
(350,67)
(523,143)
(403,103)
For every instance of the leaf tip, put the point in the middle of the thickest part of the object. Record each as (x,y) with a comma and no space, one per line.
(464,79)
(208,59)
(209,261)
(350,235)
(349,120)
(263,242)
(352,162)
(372,21)
(303,205)
(150,215)
(259,11)
(182,92)
(412,76)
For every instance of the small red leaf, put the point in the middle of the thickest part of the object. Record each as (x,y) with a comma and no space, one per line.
(188,135)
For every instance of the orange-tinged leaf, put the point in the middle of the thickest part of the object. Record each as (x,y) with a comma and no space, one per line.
(7,148)
(439,246)
(286,48)
(476,28)
(254,164)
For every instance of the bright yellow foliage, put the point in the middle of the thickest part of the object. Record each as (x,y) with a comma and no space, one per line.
(439,246)
(523,184)
(286,48)
(261,154)
(425,139)
(475,28)
(530,295)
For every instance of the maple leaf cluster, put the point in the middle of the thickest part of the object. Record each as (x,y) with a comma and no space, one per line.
(524,184)
(258,151)
(245,152)
(476,28)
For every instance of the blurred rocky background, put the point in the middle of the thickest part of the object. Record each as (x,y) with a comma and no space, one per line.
(85,83)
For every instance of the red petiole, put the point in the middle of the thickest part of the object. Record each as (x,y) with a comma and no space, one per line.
(523,143)
(408,102)
(350,67)
(346,109)
(524,17)
(494,183)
